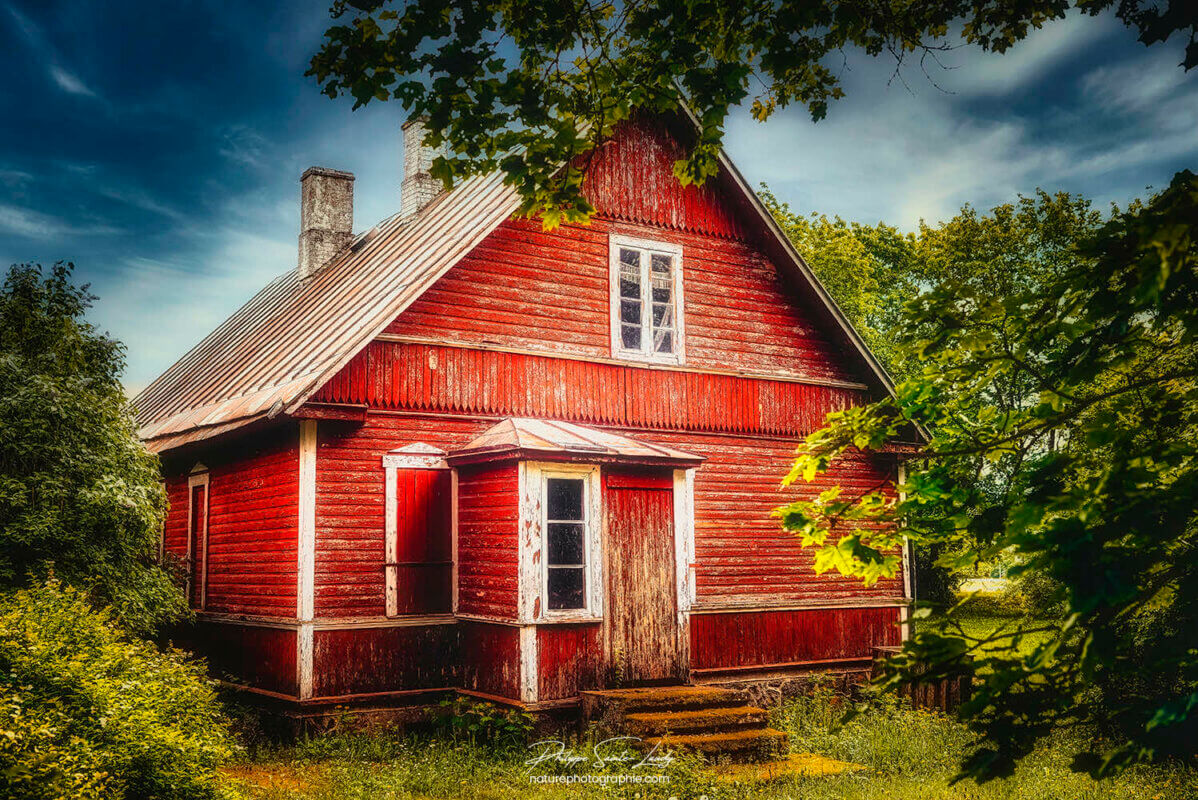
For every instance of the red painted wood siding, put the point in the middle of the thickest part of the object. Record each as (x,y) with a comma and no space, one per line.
(253,505)
(252,655)
(350,483)
(525,287)
(424,516)
(788,637)
(569,660)
(445,378)
(488,545)
(365,660)
(490,660)
(741,552)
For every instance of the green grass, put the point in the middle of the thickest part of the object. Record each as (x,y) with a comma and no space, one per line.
(908,755)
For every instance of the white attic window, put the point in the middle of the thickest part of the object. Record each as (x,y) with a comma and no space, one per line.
(646,300)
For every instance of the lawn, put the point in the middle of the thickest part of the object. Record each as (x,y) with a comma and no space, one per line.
(903,754)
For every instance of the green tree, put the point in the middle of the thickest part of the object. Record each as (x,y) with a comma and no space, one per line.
(1090,480)
(79,494)
(527,87)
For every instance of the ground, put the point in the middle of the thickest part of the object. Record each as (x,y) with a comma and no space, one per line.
(888,753)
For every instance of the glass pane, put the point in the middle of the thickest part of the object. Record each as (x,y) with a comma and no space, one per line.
(660,265)
(566,587)
(630,336)
(565,498)
(664,341)
(630,311)
(566,543)
(630,286)
(663,316)
(631,259)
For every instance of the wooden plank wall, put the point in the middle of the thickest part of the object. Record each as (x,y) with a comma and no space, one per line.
(253,496)
(366,660)
(254,655)
(767,638)
(569,660)
(490,661)
(393,375)
(488,544)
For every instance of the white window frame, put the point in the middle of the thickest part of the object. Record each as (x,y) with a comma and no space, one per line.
(535,558)
(678,357)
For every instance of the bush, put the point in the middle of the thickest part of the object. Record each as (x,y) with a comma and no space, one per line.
(87,711)
(483,723)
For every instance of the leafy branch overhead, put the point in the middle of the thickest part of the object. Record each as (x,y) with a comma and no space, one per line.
(1088,478)
(528,86)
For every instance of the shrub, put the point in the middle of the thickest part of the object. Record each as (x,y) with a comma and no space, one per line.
(88,711)
(483,723)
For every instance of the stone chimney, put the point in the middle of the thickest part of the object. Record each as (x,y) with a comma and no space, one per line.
(419,188)
(326,216)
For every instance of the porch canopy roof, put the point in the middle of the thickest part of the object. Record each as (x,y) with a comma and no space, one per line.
(553,440)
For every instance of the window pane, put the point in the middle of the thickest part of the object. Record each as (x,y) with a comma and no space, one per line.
(565,498)
(565,588)
(630,336)
(663,316)
(661,265)
(630,311)
(630,286)
(566,543)
(663,341)
(631,259)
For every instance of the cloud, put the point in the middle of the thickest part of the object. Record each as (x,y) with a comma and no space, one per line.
(31,224)
(70,83)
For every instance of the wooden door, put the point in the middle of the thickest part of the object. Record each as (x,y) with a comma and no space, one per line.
(641,615)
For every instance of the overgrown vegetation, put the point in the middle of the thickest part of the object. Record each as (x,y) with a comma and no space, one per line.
(86,711)
(78,491)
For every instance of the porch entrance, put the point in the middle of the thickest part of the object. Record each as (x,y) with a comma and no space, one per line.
(642,642)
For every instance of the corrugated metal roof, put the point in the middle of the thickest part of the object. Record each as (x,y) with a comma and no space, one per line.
(550,438)
(295,334)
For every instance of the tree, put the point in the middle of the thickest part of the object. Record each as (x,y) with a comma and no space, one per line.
(1090,479)
(529,87)
(79,494)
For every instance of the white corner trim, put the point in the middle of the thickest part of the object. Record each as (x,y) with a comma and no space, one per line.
(197,477)
(684,540)
(529,532)
(390,538)
(529,678)
(615,241)
(304,652)
(908,583)
(453,540)
(306,534)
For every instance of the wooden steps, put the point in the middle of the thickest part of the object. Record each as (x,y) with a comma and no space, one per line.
(719,723)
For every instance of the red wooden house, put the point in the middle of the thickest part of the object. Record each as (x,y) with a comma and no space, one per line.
(459,452)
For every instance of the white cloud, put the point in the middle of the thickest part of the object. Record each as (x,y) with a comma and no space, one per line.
(70,83)
(34,225)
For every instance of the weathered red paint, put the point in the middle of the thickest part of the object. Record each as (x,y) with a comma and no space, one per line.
(424,560)
(569,660)
(490,660)
(367,660)
(488,520)
(790,638)
(254,655)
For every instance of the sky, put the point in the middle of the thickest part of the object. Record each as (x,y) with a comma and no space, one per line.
(159,146)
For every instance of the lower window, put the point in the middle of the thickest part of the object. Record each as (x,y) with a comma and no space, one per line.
(566,534)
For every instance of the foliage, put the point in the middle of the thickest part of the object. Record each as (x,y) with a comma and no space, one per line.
(77,489)
(483,723)
(527,87)
(86,711)
(1090,481)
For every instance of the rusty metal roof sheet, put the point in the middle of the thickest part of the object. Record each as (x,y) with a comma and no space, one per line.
(528,437)
(295,334)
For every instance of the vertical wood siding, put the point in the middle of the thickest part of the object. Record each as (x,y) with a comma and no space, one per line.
(365,660)
(253,497)
(787,637)
(569,660)
(391,375)
(424,514)
(490,660)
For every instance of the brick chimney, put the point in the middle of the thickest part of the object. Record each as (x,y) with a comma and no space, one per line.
(419,188)
(326,216)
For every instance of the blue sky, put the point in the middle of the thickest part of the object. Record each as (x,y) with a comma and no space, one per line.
(159,146)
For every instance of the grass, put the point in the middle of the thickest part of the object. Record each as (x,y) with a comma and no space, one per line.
(907,755)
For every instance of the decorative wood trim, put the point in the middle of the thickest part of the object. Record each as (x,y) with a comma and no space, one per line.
(197,477)
(416,456)
(614,242)
(783,377)
(306,558)
(684,556)
(333,412)
(529,679)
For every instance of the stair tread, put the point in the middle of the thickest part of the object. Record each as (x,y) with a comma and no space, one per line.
(721,737)
(692,714)
(665,692)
